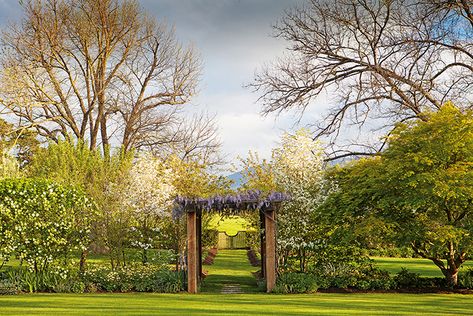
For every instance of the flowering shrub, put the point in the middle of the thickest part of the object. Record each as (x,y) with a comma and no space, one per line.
(297,169)
(42,222)
(139,278)
(148,193)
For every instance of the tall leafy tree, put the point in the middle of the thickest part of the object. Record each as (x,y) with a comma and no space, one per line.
(77,165)
(421,186)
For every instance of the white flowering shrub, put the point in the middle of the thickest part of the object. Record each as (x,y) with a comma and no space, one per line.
(298,166)
(42,222)
(149,193)
(150,190)
(7,244)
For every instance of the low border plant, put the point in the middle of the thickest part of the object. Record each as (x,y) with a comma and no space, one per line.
(296,283)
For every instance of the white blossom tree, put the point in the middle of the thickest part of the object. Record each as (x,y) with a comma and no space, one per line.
(296,168)
(299,170)
(149,194)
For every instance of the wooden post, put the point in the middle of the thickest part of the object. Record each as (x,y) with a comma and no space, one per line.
(199,245)
(270,251)
(192,252)
(262,244)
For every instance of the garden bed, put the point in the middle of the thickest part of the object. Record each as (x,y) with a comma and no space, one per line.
(253,258)
(211,254)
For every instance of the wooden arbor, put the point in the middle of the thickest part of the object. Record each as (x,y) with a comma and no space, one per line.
(232,204)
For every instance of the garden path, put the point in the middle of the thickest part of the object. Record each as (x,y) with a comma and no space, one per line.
(230,273)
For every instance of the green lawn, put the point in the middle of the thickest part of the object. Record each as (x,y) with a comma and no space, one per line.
(231,225)
(236,304)
(230,267)
(425,267)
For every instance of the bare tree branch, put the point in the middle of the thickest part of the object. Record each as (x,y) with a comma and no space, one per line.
(97,70)
(392,59)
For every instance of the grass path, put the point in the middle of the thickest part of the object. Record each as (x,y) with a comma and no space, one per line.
(230,267)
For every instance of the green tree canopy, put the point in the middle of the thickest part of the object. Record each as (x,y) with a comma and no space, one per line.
(77,165)
(421,186)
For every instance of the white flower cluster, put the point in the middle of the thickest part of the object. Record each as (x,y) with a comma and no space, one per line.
(299,170)
(148,194)
(41,222)
(149,190)
(141,245)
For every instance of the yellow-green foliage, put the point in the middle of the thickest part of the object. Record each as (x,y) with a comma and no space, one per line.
(421,186)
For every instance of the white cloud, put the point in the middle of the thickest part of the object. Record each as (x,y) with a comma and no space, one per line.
(247,131)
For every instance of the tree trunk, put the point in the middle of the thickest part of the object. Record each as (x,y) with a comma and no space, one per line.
(451,275)
(145,240)
(145,256)
(83,260)
(302,260)
(103,132)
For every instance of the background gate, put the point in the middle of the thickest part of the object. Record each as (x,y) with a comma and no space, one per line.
(237,241)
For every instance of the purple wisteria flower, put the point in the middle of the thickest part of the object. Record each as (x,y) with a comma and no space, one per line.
(250,200)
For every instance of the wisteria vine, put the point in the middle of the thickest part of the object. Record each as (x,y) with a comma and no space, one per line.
(250,200)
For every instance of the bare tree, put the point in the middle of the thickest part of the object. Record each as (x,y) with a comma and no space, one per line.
(195,139)
(97,70)
(388,60)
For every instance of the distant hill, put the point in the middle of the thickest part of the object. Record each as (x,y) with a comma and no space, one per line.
(237,179)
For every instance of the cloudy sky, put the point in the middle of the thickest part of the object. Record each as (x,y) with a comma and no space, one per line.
(234,39)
